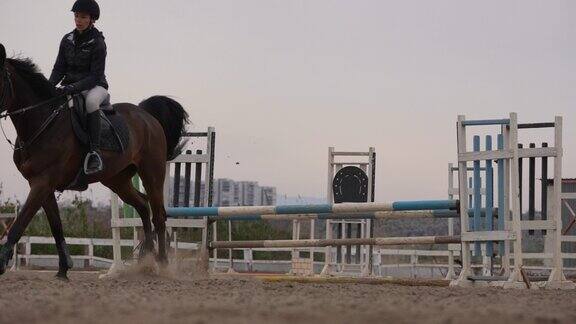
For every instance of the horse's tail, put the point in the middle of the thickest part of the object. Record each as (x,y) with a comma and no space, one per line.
(172,117)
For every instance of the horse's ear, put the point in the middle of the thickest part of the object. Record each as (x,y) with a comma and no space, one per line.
(2,55)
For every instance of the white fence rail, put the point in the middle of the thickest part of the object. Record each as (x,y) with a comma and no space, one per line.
(406,262)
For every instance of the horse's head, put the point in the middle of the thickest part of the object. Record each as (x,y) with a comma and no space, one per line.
(4,80)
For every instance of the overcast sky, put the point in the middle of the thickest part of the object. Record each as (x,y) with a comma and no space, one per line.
(283,80)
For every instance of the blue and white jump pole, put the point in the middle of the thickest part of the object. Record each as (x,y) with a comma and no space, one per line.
(342,208)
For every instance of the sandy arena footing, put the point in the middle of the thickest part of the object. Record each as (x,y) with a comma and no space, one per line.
(37,297)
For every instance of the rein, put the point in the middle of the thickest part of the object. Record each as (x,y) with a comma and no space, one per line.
(4,97)
(26,109)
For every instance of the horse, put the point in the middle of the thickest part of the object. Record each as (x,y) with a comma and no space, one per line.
(48,155)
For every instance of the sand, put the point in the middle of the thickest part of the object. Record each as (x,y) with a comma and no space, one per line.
(37,297)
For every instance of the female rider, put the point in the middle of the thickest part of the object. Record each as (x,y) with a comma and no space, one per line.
(79,68)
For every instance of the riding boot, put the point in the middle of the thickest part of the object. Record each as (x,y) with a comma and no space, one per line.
(93,162)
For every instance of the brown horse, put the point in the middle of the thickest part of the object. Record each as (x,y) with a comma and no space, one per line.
(48,154)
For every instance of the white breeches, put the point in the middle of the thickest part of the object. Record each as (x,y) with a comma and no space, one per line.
(95,97)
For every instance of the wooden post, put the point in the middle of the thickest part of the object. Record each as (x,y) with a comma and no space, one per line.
(531,188)
(312,249)
(506,203)
(557,279)
(16,261)
(451,274)
(208,191)
(463,194)
(515,278)
(117,264)
(329,198)
(544,188)
(489,175)
(91,253)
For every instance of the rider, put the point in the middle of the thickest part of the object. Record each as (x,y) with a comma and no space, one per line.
(80,66)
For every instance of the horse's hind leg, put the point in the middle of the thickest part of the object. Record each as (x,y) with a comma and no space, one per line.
(152,174)
(122,186)
(65,261)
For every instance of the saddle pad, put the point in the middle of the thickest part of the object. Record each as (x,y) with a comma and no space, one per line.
(114,135)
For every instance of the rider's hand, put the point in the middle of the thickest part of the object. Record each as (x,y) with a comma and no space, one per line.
(64,91)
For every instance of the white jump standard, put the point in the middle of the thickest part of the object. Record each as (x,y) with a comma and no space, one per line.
(509,228)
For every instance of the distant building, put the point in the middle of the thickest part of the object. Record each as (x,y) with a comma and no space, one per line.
(225,193)
(228,192)
(248,193)
(268,196)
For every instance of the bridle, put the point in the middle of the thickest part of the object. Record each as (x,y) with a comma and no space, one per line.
(8,92)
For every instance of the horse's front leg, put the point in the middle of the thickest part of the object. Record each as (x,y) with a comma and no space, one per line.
(52,213)
(39,190)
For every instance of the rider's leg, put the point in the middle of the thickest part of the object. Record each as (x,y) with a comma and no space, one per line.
(94,97)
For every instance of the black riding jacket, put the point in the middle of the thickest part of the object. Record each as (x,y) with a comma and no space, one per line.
(81,61)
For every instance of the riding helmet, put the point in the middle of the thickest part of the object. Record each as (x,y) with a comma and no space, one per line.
(89,6)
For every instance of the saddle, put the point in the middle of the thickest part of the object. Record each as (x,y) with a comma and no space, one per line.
(114,135)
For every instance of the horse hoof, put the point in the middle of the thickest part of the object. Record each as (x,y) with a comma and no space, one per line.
(162,261)
(62,277)
(5,257)
(142,255)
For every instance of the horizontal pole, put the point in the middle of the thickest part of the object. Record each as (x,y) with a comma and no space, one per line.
(488,236)
(536,125)
(537,152)
(484,155)
(485,122)
(538,225)
(534,256)
(313,209)
(409,214)
(350,163)
(424,204)
(568,195)
(567,238)
(507,154)
(195,134)
(336,242)
(375,215)
(468,169)
(191,158)
(487,278)
(170,222)
(350,153)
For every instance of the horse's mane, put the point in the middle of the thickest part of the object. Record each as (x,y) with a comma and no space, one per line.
(30,73)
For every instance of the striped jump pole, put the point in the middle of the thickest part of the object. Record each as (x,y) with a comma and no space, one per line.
(442,213)
(421,205)
(415,214)
(335,242)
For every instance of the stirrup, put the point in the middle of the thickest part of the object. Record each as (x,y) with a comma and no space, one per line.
(100,166)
